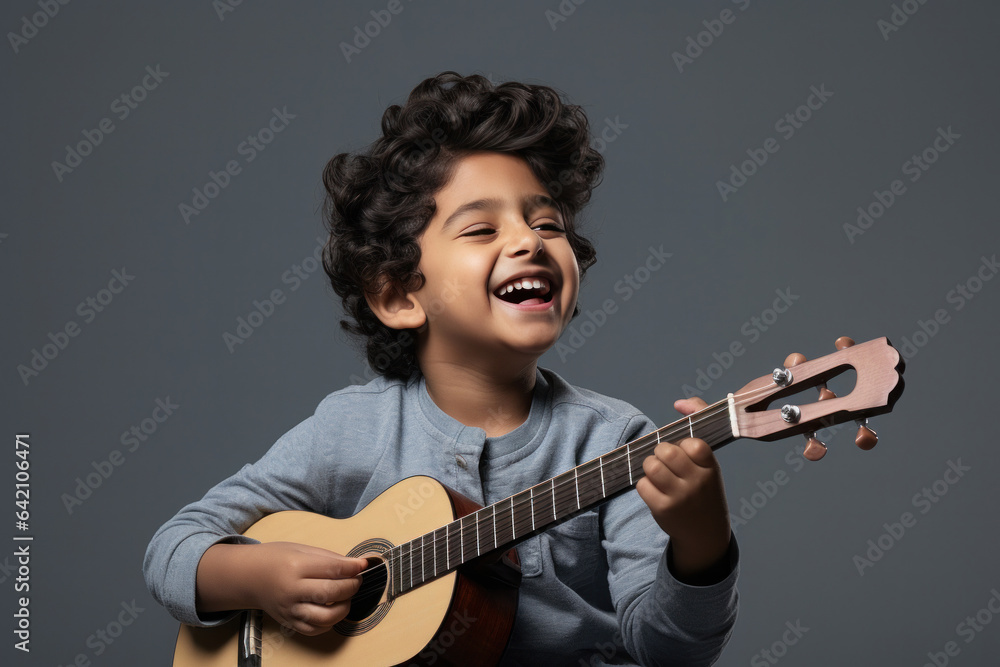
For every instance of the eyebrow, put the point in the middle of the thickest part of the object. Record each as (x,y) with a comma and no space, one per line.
(529,203)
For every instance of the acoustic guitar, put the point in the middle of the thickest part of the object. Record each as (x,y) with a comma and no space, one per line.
(441,584)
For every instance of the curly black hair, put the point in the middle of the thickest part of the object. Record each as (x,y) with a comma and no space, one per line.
(379,201)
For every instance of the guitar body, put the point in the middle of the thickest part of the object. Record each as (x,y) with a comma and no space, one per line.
(463,617)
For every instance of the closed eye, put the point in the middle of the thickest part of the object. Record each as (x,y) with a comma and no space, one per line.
(482,231)
(549,226)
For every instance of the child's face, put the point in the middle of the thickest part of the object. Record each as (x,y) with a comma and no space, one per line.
(495,225)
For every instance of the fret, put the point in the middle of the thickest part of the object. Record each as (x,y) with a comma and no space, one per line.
(588,484)
(469,543)
(423,574)
(504,523)
(494,507)
(454,544)
(690,428)
(600,463)
(447,550)
(440,550)
(628,459)
(531,502)
(564,494)
(522,516)
(407,563)
(393,564)
(478,519)
(542,511)
(617,472)
(461,542)
(576,483)
(635,462)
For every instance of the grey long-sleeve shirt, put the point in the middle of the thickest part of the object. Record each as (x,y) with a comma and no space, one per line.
(596,589)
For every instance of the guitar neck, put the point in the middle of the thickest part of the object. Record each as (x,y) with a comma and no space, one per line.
(505,523)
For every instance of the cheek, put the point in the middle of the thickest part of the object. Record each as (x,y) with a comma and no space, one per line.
(453,278)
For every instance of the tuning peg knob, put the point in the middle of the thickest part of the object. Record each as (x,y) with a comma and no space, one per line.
(843,342)
(794,359)
(815,450)
(866,438)
(825,393)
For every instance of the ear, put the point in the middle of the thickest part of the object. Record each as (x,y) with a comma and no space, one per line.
(396,308)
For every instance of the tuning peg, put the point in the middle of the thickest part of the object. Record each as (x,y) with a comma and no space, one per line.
(825,393)
(794,359)
(843,342)
(866,438)
(815,450)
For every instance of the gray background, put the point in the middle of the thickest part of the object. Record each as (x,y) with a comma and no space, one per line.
(784,229)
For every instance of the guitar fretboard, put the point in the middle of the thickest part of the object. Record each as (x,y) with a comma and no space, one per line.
(505,523)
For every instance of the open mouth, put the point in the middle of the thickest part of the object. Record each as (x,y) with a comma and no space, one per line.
(529,291)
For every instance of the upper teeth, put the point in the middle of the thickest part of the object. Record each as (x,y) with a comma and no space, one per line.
(523,283)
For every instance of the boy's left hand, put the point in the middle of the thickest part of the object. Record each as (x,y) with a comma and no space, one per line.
(684,491)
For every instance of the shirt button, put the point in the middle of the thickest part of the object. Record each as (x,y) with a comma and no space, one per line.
(461,462)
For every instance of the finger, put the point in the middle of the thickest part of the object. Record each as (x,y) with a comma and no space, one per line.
(687,406)
(329,565)
(675,459)
(329,591)
(698,452)
(311,619)
(660,475)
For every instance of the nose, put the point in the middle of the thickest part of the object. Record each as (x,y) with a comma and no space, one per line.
(523,240)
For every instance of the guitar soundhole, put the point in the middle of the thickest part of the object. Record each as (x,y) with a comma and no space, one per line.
(370,604)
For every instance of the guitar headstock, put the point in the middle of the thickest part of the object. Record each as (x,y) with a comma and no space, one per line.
(879,384)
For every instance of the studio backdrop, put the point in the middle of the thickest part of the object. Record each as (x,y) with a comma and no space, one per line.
(778,174)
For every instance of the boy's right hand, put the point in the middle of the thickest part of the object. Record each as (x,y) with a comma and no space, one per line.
(302,587)
(305,588)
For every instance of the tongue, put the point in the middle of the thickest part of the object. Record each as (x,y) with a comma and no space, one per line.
(533,301)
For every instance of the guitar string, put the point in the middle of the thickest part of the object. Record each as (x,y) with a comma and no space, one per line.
(635,447)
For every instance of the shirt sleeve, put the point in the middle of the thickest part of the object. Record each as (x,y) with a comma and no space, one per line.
(287,477)
(662,620)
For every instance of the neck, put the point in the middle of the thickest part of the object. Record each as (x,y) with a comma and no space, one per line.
(484,397)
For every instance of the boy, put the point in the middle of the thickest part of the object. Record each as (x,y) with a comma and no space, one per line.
(453,247)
